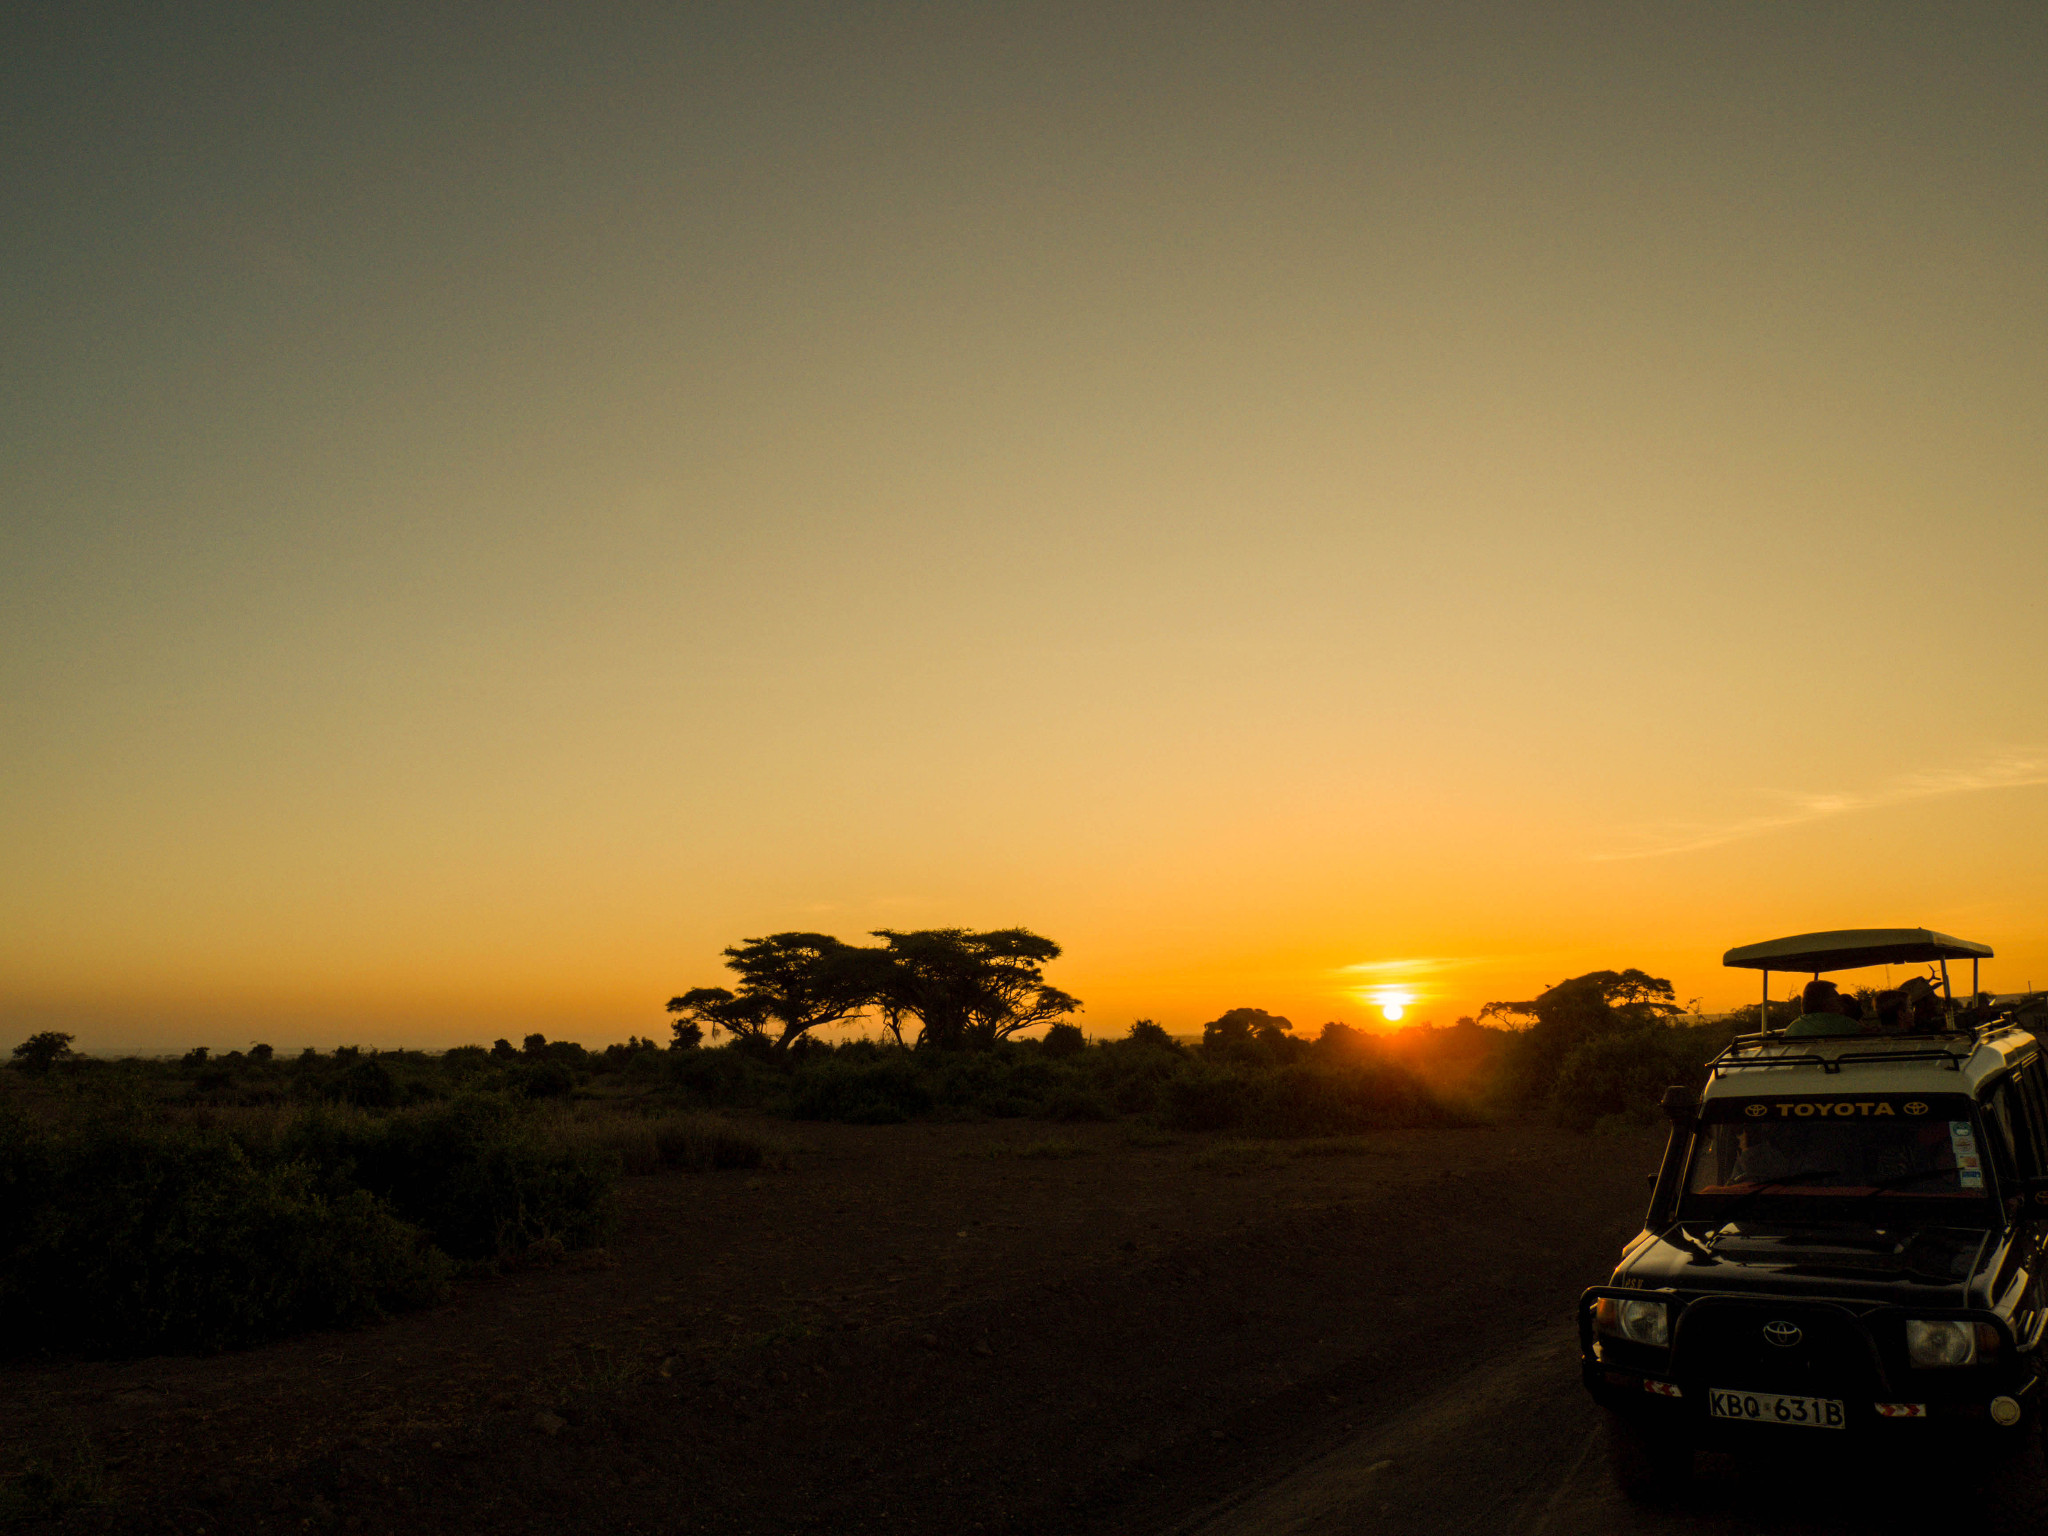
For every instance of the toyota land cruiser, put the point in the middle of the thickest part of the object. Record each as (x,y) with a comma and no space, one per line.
(1845,1239)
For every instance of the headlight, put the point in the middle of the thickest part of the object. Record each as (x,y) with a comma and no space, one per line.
(1644,1322)
(1940,1343)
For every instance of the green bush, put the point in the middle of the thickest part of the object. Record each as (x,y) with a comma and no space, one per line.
(1300,1099)
(1130,1072)
(368,1084)
(1304,1100)
(1623,1076)
(547,1080)
(122,1237)
(1063,1039)
(882,1089)
(1203,1097)
(478,1173)
(729,1076)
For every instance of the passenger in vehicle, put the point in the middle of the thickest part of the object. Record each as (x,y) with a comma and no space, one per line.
(1894,1012)
(1762,1155)
(1823,1015)
(1928,1017)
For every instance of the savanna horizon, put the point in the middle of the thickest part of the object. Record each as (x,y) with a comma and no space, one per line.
(1432,989)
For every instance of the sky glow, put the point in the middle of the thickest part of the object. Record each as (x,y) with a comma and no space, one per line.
(498,506)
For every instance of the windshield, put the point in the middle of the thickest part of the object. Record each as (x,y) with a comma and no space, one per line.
(1811,1158)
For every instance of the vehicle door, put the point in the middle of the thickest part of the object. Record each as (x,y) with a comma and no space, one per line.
(2028,1112)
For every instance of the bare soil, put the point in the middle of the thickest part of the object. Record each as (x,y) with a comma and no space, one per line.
(1002,1327)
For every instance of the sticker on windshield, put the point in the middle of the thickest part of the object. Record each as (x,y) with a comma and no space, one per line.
(1962,1141)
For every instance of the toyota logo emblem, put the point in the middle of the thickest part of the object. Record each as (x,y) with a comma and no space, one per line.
(1782,1334)
(1757,1111)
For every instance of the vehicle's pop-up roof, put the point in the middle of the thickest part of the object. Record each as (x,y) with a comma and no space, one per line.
(1844,949)
(1953,1063)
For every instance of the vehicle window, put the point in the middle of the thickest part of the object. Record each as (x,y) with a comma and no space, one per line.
(2031,1126)
(1825,1152)
(1999,1121)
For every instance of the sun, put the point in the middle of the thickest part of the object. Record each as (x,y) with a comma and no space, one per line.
(1391,999)
(1392,1002)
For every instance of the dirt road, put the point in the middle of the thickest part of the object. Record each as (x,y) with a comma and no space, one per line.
(1004,1329)
(919,1328)
(1515,1449)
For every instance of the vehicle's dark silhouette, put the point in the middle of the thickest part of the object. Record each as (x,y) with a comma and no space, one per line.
(1846,1240)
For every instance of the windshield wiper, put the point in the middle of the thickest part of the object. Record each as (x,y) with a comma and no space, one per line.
(1741,1201)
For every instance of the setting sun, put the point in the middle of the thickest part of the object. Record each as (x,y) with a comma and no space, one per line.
(1393,1003)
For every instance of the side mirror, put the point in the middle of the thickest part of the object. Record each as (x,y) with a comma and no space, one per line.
(1681,1105)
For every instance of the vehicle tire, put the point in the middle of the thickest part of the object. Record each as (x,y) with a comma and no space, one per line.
(1649,1467)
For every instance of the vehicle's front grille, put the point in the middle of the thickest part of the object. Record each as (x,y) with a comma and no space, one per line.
(1727,1343)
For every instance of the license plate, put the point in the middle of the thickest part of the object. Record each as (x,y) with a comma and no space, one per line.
(1772,1408)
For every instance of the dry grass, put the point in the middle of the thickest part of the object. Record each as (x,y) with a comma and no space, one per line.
(1332,1146)
(1240,1156)
(1141,1133)
(1052,1147)
(649,1143)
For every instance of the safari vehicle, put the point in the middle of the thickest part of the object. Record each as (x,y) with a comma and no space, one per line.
(1844,1245)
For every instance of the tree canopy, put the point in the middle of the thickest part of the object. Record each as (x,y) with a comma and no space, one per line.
(790,983)
(1244,1028)
(953,987)
(967,989)
(40,1052)
(1558,1021)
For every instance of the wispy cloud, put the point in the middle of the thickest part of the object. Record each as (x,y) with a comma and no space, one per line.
(2013,769)
(1424,965)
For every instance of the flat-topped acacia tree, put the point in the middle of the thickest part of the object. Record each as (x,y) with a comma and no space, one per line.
(963,989)
(967,989)
(790,983)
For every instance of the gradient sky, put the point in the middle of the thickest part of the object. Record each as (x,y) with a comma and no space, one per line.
(497,503)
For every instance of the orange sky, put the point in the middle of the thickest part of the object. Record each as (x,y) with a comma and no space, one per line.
(494,510)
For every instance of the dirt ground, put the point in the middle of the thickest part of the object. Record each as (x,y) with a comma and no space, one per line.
(914,1329)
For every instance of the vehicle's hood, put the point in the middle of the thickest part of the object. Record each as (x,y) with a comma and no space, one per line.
(1931,1264)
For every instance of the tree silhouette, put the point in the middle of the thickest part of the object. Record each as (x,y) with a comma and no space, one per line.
(1591,1007)
(790,983)
(42,1051)
(961,989)
(966,989)
(1245,1026)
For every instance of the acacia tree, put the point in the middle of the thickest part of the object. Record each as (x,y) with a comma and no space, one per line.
(966,989)
(790,983)
(1559,1020)
(40,1052)
(1244,1031)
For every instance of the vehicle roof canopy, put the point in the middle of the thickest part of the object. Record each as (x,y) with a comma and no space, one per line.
(1844,949)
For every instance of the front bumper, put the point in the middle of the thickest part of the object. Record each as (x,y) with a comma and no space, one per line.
(1884,1400)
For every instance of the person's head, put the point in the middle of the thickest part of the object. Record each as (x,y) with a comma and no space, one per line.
(1821,997)
(1893,1010)
(1922,1003)
(1852,1005)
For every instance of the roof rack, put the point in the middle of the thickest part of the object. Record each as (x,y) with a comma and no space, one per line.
(1747,1051)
